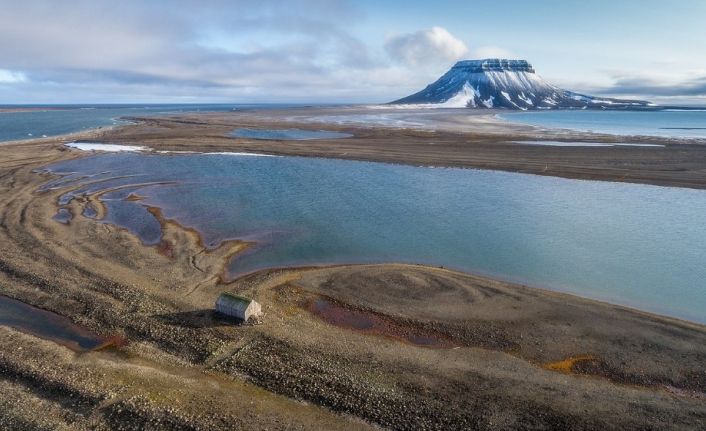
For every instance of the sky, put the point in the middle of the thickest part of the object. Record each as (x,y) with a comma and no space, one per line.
(339,51)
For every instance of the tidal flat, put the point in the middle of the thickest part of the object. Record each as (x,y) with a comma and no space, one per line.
(396,346)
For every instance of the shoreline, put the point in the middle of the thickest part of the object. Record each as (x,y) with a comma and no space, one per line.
(184,366)
(243,246)
(92,133)
(685,139)
(152,151)
(472,141)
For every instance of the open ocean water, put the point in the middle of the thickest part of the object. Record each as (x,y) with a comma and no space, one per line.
(58,120)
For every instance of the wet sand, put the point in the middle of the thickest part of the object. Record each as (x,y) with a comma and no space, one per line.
(392,346)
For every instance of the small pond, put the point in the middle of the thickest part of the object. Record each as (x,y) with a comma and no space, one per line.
(50,326)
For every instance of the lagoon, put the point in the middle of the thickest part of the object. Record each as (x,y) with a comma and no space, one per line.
(631,244)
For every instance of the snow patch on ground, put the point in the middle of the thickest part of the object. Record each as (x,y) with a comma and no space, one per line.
(229,153)
(113,148)
(109,148)
(584,144)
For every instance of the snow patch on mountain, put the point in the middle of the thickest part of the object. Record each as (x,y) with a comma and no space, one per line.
(489,102)
(464,98)
(510,84)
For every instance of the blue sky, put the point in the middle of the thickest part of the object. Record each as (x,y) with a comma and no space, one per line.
(338,50)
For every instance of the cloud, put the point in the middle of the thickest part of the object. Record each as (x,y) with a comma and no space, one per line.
(11,77)
(211,48)
(690,87)
(433,46)
(243,51)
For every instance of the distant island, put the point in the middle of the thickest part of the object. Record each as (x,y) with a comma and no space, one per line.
(508,84)
(12,109)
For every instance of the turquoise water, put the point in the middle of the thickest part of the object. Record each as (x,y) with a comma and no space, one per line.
(631,244)
(288,134)
(684,124)
(75,118)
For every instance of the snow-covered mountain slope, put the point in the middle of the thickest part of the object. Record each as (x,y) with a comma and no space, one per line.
(510,84)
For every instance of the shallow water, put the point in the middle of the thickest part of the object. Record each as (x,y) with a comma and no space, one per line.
(682,124)
(47,325)
(288,134)
(631,244)
(63,216)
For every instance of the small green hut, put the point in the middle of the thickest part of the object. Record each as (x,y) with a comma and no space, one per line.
(237,306)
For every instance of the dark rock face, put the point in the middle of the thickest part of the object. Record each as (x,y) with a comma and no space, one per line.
(508,84)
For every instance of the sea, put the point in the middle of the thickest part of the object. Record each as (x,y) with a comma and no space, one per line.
(52,120)
(676,123)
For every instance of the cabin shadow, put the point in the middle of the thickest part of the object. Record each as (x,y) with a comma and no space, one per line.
(205,318)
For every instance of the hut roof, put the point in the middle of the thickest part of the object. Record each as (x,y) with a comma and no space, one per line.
(235,298)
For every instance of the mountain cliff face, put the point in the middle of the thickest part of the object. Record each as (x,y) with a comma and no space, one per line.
(509,84)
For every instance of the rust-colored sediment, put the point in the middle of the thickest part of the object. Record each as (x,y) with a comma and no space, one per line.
(568,365)
(165,248)
(367,322)
(115,341)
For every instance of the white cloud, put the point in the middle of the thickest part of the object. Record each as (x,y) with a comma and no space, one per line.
(145,47)
(11,77)
(432,46)
(492,52)
(257,50)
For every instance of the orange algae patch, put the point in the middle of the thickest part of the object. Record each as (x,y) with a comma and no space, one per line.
(165,248)
(567,365)
(113,342)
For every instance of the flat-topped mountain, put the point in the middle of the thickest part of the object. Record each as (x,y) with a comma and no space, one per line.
(509,84)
